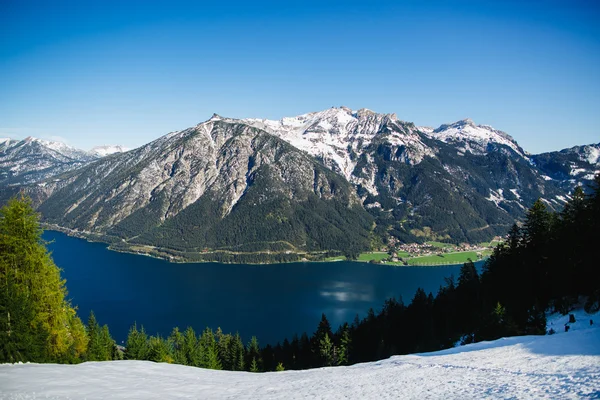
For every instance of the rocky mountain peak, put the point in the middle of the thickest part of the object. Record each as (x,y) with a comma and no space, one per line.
(477,139)
(338,135)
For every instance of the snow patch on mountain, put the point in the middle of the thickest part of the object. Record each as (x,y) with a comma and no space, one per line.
(468,136)
(577,171)
(591,154)
(496,196)
(426,129)
(103,151)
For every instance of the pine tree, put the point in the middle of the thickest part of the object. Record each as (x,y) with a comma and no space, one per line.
(537,224)
(94,349)
(514,237)
(468,299)
(108,345)
(322,338)
(159,350)
(226,351)
(326,350)
(254,365)
(343,352)
(176,342)
(238,354)
(191,348)
(253,355)
(37,323)
(210,350)
(137,344)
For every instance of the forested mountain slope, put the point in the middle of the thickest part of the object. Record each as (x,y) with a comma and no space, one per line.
(219,185)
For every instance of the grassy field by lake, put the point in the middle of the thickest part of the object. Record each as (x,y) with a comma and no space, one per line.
(375,255)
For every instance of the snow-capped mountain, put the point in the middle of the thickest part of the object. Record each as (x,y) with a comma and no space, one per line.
(339,136)
(465,135)
(570,167)
(460,182)
(31,160)
(103,151)
(397,167)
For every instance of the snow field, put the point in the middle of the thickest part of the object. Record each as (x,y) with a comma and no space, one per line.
(560,366)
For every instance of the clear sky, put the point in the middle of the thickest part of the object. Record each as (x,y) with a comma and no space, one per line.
(127,72)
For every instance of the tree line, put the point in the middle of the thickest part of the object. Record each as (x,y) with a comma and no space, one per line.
(547,263)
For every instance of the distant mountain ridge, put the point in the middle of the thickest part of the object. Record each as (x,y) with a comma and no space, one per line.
(367,176)
(31,160)
(570,167)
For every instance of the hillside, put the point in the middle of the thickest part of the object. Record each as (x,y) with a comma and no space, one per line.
(220,185)
(564,365)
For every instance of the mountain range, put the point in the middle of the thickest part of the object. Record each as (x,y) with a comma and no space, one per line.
(32,160)
(336,179)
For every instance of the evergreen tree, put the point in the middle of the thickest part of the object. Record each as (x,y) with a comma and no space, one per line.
(159,350)
(343,352)
(253,355)
(37,323)
(537,224)
(176,342)
(210,350)
(468,298)
(326,350)
(514,237)
(254,365)
(321,343)
(109,346)
(225,344)
(137,344)
(194,354)
(93,332)
(239,353)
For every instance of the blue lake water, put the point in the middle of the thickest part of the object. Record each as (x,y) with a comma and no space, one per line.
(269,301)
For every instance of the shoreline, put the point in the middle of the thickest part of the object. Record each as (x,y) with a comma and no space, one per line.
(163,254)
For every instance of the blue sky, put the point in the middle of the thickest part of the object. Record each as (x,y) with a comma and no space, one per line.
(108,72)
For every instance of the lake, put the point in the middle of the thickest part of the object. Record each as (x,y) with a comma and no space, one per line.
(269,301)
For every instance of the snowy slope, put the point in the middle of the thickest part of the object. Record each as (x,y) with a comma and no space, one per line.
(339,135)
(565,365)
(467,136)
(103,151)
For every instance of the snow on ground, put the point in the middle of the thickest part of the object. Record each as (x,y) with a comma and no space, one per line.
(564,365)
